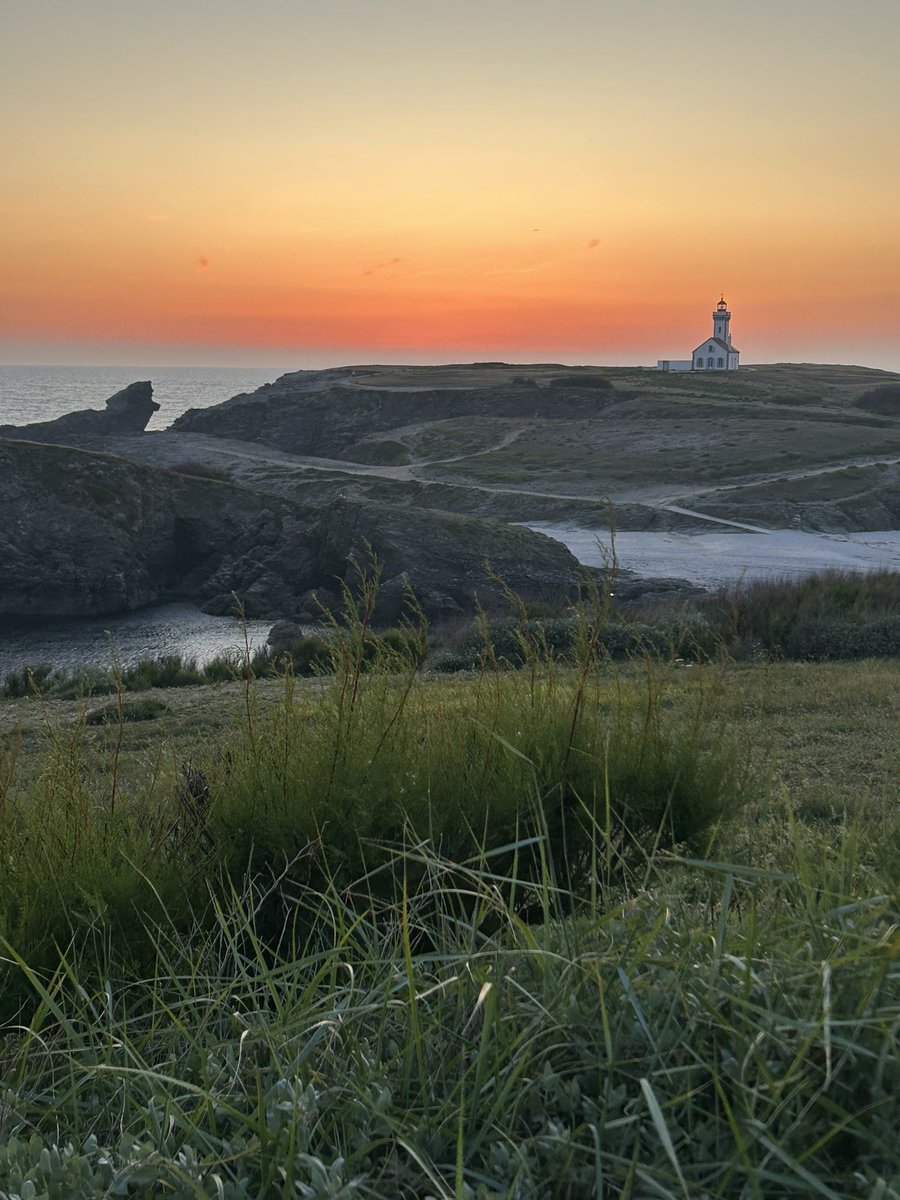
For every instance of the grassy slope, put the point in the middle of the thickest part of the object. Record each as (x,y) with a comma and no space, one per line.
(703,431)
(714,1031)
(677,436)
(828,728)
(741,446)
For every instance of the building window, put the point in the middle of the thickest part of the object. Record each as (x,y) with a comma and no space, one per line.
(699,363)
(721,362)
(709,361)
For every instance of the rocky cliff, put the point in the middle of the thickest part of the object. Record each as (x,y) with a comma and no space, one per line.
(128,411)
(86,533)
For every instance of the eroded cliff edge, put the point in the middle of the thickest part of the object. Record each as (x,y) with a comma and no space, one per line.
(87,533)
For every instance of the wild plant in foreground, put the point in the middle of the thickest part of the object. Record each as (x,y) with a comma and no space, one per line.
(468,974)
(430,1042)
(336,770)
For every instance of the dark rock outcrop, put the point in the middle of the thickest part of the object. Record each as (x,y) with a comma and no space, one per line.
(446,561)
(87,533)
(128,411)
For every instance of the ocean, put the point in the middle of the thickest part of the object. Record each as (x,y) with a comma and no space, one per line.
(42,393)
(34,393)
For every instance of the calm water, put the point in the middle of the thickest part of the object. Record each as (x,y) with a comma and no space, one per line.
(718,559)
(149,633)
(42,393)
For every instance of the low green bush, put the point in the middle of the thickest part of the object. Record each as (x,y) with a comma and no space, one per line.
(687,635)
(126,710)
(224,668)
(310,655)
(81,684)
(27,680)
(829,640)
(171,670)
(320,654)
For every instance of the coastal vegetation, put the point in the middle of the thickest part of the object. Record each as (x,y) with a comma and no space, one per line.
(832,616)
(574,928)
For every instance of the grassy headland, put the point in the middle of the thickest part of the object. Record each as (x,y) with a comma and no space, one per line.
(783,445)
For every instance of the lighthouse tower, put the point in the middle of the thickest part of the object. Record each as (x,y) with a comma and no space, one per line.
(721,320)
(717,354)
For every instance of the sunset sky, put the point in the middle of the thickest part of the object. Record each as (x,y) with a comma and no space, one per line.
(314,182)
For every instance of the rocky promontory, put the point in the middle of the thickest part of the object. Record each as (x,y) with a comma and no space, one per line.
(128,411)
(87,533)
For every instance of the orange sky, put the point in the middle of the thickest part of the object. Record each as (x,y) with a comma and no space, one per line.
(203,182)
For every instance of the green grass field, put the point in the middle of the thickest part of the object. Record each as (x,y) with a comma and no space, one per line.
(660,438)
(786,445)
(566,931)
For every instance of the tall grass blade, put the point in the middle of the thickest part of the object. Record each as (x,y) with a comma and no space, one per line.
(659,1124)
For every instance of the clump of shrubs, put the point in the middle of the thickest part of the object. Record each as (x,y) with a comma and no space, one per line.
(832,615)
(321,653)
(28,679)
(171,670)
(829,616)
(684,635)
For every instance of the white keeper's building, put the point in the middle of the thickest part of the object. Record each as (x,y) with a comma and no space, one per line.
(715,354)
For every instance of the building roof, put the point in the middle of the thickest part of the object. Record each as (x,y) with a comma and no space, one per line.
(716,342)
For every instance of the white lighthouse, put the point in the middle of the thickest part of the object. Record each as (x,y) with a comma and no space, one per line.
(715,354)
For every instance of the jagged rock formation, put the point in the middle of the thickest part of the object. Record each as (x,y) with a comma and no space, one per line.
(87,533)
(128,411)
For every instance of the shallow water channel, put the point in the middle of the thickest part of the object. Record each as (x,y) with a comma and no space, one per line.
(721,558)
(72,643)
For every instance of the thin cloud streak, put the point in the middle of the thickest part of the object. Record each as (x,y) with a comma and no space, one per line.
(383,266)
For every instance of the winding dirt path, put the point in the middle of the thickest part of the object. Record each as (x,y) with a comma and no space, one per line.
(249,462)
